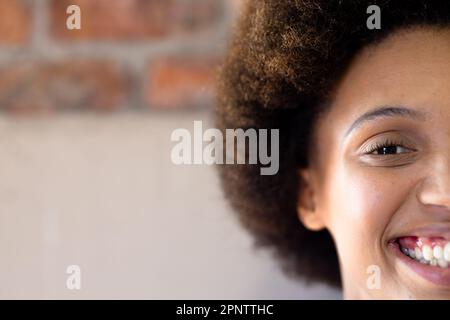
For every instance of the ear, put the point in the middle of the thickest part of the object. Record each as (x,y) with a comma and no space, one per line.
(307,210)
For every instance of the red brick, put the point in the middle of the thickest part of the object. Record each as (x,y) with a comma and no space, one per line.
(15,21)
(134,19)
(75,85)
(179,83)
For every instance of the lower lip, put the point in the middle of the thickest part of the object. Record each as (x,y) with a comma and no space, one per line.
(436,275)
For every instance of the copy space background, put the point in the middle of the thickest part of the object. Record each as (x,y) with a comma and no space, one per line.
(85,170)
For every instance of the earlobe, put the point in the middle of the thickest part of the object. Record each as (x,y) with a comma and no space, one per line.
(306,206)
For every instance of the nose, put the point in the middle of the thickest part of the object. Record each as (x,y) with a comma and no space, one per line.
(435,188)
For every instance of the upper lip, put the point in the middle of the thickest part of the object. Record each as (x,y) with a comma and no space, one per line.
(428,231)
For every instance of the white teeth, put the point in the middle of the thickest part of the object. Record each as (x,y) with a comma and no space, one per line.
(434,256)
(427,253)
(447,252)
(418,253)
(442,263)
(438,253)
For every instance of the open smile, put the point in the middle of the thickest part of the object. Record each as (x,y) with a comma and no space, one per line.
(427,256)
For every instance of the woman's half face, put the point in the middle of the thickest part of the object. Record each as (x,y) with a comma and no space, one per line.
(381,170)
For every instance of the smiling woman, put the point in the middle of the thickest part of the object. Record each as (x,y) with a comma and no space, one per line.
(364,174)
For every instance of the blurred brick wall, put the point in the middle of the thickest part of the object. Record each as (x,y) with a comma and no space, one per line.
(129,54)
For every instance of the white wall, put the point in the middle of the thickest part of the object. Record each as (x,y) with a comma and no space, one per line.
(101,192)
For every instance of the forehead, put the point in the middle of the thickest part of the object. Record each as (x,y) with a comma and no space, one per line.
(409,68)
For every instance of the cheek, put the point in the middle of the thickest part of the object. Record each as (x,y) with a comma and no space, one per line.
(359,197)
(359,204)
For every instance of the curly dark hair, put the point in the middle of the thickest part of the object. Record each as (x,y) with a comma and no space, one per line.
(282,63)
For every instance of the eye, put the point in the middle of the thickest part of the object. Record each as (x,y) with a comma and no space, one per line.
(388,148)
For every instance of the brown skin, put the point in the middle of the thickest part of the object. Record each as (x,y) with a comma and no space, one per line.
(365,200)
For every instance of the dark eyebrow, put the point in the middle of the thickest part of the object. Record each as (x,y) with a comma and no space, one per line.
(383,112)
